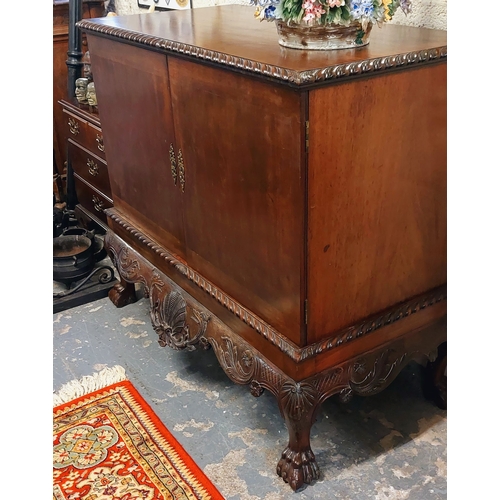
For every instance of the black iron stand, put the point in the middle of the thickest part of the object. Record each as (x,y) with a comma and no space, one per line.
(93,287)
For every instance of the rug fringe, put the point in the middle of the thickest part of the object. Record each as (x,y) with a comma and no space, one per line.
(88,384)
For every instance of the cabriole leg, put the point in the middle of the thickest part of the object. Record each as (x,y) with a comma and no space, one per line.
(298,463)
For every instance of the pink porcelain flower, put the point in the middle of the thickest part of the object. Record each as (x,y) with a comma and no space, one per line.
(312,9)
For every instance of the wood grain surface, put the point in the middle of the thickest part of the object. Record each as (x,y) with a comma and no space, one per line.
(377,195)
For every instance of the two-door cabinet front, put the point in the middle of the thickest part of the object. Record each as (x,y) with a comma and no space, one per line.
(285,207)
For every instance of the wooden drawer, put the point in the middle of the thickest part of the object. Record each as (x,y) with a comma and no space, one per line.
(84,133)
(91,199)
(89,167)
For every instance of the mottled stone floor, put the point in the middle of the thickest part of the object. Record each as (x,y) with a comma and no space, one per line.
(391,446)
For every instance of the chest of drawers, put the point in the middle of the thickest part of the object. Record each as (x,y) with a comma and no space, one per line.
(286,208)
(87,157)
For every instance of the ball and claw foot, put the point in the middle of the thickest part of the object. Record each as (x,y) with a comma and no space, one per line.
(297,468)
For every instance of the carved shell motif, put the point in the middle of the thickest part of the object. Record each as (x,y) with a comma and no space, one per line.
(169,320)
(297,398)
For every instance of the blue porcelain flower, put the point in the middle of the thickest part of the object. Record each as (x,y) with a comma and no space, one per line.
(270,12)
(361,8)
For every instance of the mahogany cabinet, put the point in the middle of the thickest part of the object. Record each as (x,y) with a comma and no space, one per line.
(286,208)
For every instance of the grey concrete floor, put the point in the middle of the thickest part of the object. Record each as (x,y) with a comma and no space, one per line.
(391,446)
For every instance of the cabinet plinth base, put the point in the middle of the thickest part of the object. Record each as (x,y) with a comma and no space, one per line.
(181,322)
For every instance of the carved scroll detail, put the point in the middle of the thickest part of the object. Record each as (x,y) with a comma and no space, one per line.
(128,267)
(384,368)
(238,363)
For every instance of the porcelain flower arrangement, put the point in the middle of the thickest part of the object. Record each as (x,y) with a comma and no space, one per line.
(330,12)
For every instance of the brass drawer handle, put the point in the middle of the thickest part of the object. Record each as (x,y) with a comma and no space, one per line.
(74,126)
(182,173)
(173,166)
(100,142)
(93,167)
(98,204)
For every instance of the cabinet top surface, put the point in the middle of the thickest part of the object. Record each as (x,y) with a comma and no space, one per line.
(230,36)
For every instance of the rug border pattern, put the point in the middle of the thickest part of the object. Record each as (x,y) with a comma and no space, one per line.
(186,470)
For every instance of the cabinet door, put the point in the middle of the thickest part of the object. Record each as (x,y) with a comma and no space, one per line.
(242,147)
(133,95)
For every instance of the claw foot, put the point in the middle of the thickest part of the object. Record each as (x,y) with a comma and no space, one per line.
(297,468)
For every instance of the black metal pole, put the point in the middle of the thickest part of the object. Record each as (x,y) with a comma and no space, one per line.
(74,61)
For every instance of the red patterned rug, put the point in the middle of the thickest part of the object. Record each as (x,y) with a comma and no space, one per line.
(109,445)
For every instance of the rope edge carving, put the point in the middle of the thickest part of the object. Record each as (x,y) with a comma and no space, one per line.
(290,76)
